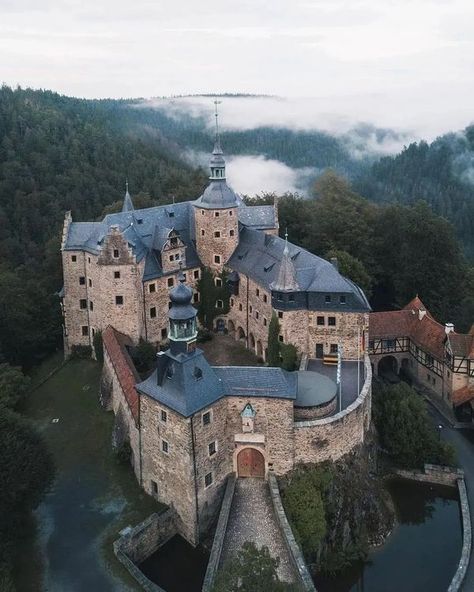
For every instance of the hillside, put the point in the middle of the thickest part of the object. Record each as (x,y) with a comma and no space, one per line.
(56,154)
(440,173)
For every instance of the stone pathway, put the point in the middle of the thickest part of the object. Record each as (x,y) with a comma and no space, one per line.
(252,519)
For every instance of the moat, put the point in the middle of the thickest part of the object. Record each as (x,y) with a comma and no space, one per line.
(94,497)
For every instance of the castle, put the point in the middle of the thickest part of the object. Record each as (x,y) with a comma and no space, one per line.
(189,425)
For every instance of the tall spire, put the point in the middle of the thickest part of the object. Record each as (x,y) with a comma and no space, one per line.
(286,280)
(217,162)
(127,200)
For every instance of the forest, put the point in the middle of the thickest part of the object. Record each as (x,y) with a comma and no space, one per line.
(59,153)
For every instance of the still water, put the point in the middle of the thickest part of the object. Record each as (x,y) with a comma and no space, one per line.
(421,554)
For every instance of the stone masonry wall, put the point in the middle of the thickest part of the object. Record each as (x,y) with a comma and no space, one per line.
(117,402)
(207,223)
(173,472)
(333,437)
(274,420)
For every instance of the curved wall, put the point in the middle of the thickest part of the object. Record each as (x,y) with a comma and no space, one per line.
(330,438)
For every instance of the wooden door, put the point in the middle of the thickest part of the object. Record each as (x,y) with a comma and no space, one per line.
(319,350)
(250,463)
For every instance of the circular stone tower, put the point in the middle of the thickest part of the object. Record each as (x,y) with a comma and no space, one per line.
(216,215)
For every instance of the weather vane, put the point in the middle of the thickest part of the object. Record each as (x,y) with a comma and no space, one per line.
(216,102)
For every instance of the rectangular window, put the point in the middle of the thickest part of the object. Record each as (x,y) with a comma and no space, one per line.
(279,296)
(212,448)
(170,282)
(164,416)
(73,258)
(90,283)
(218,282)
(153,312)
(320,321)
(119,300)
(85,330)
(231,213)
(203,232)
(206,418)
(332,321)
(208,480)
(240,306)
(231,233)
(327,298)
(333,349)
(256,314)
(217,258)
(91,305)
(291,298)
(88,259)
(250,309)
(264,322)
(196,297)
(165,447)
(342,298)
(280,338)
(83,303)
(117,275)
(219,304)
(217,234)
(216,214)
(116,253)
(196,274)
(154,488)
(280,314)
(257,291)
(82,280)
(265,298)
(152,288)
(164,334)
(232,302)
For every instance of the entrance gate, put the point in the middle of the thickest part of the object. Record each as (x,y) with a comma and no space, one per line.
(250,463)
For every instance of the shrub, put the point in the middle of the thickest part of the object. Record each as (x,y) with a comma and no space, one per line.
(81,352)
(144,356)
(98,346)
(289,356)
(273,357)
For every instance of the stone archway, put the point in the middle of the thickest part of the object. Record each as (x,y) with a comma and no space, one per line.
(240,334)
(231,328)
(251,342)
(250,463)
(387,365)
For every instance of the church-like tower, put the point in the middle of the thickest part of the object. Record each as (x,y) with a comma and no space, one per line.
(216,217)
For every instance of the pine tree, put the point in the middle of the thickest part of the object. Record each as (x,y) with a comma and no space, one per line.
(274,342)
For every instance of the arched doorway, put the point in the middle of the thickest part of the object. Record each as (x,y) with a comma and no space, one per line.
(388,367)
(252,342)
(231,328)
(250,463)
(240,334)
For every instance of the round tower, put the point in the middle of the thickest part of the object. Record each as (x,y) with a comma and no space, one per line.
(216,214)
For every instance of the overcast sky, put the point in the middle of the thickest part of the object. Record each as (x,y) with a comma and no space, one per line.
(399,63)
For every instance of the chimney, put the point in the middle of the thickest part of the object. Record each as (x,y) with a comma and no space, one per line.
(161,364)
(449,328)
(335,263)
(421,313)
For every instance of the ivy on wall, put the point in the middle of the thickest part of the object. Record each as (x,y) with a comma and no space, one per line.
(214,299)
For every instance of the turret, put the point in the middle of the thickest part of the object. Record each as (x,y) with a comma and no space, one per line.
(216,216)
(182,331)
(127,201)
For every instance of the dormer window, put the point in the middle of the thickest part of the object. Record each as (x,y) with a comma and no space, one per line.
(116,254)
(197,373)
(327,299)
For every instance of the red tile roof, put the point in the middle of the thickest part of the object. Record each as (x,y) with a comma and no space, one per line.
(463,395)
(115,344)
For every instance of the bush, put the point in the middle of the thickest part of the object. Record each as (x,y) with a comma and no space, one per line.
(81,352)
(303,501)
(98,346)
(204,335)
(251,570)
(405,429)
(144,356)
(273,357)
(289,356)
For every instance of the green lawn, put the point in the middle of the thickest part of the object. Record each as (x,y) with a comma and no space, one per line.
(94,496)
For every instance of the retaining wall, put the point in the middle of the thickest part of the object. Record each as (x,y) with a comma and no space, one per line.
(436,474)
(219,535)
(332,437)
(138,543)
(295,552)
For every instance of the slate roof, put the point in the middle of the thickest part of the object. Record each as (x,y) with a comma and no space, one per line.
(218,195)
(182,391)
(257,381)
(258,255)
(462,395)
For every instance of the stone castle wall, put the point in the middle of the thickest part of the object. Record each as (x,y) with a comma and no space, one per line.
(207,224)
(333,437)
